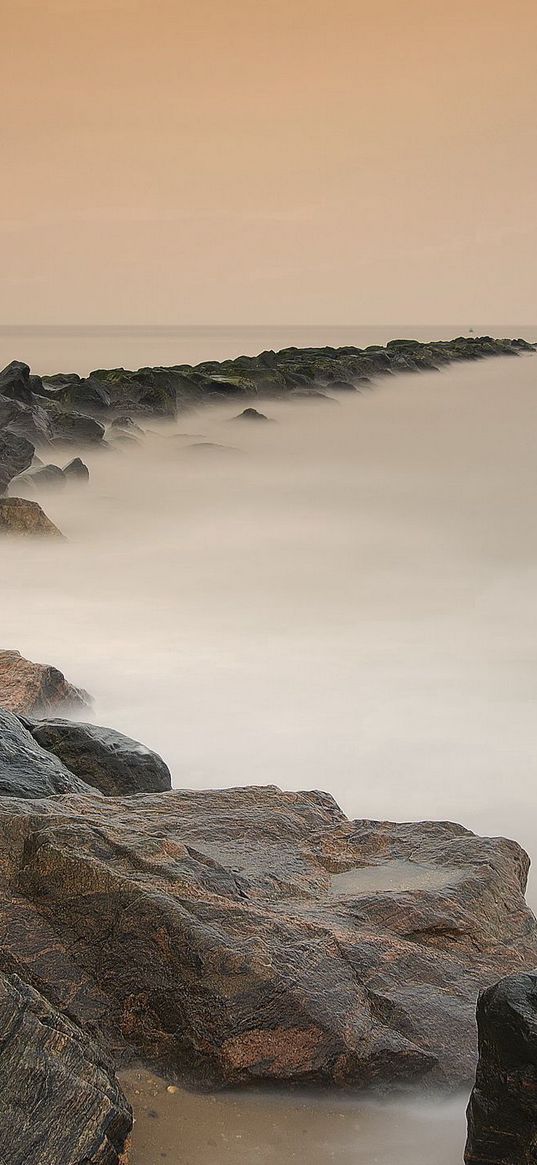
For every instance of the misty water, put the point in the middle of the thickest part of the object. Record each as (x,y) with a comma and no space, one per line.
(343,599)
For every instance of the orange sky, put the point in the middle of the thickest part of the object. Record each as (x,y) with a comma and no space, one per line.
(241,161)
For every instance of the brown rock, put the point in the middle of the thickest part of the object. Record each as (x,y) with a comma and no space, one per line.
(19,516)
(60,1102)
(28,688)
(251,934)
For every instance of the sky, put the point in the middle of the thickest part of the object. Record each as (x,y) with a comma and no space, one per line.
(268,161)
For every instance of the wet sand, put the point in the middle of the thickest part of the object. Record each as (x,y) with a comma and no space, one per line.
(272,1128)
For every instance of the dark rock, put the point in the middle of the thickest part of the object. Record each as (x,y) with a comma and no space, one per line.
(15,382)
(40,477)
(26,770)
(16,454)
(76,470)
(73,392)
(250,934)
(19,516)
(32,422)
(36,688)
(251,415)
(502,1113)
(102,757)
(8,410)
(67,426)
(60,1102)
(342,386)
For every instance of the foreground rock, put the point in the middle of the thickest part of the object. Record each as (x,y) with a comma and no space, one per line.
(102,757)
(26,770)
(251,934)
(36,688)
(16,455)
(60,1102)
(502,1113)
(20,516)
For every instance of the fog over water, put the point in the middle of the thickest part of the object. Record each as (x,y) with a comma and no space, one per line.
(343,599)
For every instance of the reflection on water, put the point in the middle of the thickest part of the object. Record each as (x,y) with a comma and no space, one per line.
(349,604)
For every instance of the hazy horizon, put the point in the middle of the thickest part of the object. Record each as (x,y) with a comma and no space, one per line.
(172,160)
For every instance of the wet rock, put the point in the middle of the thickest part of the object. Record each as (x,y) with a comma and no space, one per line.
(76,470)
(15,382)
(16,454)
(251,415)
(40,477)
(35,688)
(250,934)
(8,410)
(60,1102)
(19,516)
(126,425)
(102,757)
(67,426)
(26,770)
(84,394)
(32,422)
(502,1113)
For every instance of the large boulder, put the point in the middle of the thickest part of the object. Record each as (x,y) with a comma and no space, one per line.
(19,516)
(15,382)
(102,757)
(26,770)
(67,426)
(502,1113)
(250,934)
(36,688)
(60,1102)
(16,455)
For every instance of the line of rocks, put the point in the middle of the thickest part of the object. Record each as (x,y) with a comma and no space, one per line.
(44,413)
(238,936)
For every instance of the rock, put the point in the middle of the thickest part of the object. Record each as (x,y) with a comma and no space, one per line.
(15,455)
(67,426)
(102,757)
(249,934)
(250,415)
(72,391)
(8,410)
(502,1113)
(15,382)
(342,386)
(76,470)
(32,422)
(127,425)
(40,477)
(19,516)
(60,1102)
(26,770)
(35,688)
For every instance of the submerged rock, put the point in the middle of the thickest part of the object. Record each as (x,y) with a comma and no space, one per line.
(60,1102)
(102,757)
(250,415)
(502,1113)
(250,934)
(76,470)
(27,770)
(36,688)
(40,477)
(19,516)
(16,454)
